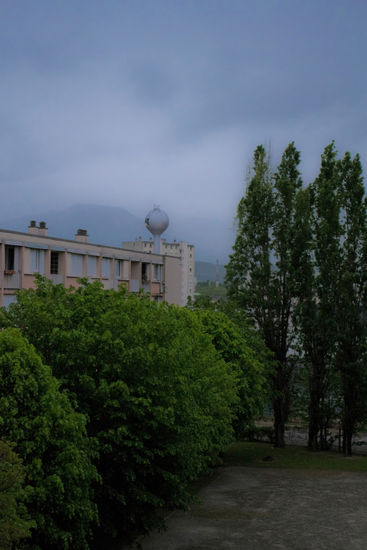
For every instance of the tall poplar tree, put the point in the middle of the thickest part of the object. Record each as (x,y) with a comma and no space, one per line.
(331,291)
(317,274)
(351,298)
(260,272)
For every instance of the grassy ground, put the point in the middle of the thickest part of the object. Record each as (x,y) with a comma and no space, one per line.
(253,454)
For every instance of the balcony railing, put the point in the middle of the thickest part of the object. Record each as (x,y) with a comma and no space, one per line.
(56,278)
(135,285)
(12,279)
(146,286)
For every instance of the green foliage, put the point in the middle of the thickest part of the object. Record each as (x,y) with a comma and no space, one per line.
(260,273)
(50,438)
(210,289)
(13,525)
(159,398)
(298,269)
(251,373)
(317,273)
(177,407)
(331,289)
(351,303)
(249,269)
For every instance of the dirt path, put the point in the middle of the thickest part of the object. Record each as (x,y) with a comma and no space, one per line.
(272,509)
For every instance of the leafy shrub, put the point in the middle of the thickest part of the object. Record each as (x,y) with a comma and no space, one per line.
(250,372)
(13,525)
(50,438)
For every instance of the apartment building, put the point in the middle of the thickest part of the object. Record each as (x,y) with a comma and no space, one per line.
(65,261)
(179,249)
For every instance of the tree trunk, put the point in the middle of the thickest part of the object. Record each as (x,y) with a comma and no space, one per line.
(281,401)
(314,419)
(351,387)
(318,419)
(348,427)
(347,440)
(279,421)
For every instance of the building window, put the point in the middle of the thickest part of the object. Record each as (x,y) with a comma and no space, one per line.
(76,265)
(54,263)
(9,258)
(121,269)
(118,269)
(145,272)
(9,299)
(37,261)
(157,272)
(92,266)
(105,268)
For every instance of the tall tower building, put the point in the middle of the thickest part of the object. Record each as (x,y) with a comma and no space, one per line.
(157,222)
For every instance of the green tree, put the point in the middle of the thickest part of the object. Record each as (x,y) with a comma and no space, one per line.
(318,269)
(260,273)
(251,373)
(177,416)
(351,298)
(50,439)
(159,398)
(331,278)
(13,525)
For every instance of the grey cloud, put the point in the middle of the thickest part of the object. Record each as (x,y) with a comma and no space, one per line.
(152,84)
(171,98)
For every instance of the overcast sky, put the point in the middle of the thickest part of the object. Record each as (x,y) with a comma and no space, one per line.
(134,102)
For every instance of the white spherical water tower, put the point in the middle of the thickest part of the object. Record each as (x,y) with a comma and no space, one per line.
(157,222)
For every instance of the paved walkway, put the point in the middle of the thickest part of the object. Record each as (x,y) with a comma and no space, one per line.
(272,509)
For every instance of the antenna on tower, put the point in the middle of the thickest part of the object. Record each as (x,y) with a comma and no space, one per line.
(217,273)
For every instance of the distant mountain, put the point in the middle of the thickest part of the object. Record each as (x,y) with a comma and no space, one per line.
(205,271)
(105,224)
(213,239)
(112,225)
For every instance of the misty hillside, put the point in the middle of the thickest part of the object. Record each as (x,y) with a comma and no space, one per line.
(105,224)
(112,225)
(205,271)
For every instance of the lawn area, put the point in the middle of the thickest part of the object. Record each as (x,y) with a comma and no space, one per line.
(253,454)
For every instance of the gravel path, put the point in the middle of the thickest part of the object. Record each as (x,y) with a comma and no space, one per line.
(272,509)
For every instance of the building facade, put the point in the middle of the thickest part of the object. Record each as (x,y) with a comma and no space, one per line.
(179,249)
(65,261)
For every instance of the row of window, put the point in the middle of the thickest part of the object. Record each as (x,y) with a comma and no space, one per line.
(36,260)
(37,265)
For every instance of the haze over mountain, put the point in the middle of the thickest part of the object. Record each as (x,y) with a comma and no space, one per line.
(205,271)
(109,225)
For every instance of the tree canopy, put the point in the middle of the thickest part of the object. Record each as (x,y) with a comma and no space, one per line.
(13,524)
(298,269)
(50,437)
(158,397)
(260,272)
